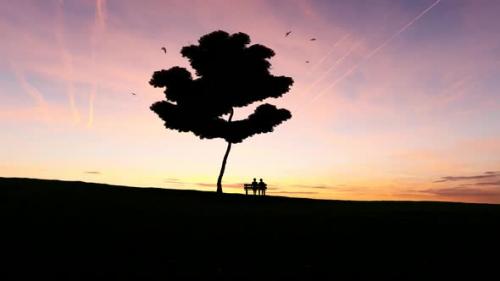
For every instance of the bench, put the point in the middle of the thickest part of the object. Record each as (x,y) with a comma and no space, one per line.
(259,190)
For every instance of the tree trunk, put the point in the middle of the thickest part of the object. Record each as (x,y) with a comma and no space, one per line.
(223,168)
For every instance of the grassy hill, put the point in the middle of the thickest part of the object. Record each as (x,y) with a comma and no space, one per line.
(76,230)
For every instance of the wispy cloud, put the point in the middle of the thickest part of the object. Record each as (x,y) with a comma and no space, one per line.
(462,178)
(67,60)
(491,183)
(180,182)
(213,184)
(326,187)
(174,181)
(313,186)
(31,90)
(294,192)
(97,31)
(90,120)
(101,13)
(483,187)
(462,192)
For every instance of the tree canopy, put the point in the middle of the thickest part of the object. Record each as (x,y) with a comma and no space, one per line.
(230,73)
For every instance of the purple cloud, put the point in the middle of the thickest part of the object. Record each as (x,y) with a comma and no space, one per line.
(485,175)
(461,192)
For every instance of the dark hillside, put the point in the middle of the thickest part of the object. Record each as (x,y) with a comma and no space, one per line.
(76,230)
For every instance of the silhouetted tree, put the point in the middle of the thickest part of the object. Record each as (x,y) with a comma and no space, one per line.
(230,74)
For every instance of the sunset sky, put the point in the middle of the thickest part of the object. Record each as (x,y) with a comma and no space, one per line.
(400,100)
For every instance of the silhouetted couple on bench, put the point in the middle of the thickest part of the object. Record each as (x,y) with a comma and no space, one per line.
(258,188)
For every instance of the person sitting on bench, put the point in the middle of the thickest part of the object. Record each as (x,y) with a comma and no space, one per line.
(262,187)
(254,186)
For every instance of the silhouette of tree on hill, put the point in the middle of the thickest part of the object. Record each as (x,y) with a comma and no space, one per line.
(230,74)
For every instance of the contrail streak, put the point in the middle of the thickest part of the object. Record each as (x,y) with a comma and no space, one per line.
(332,67)
(101,13)
(67,62)
(334,47)
(90,121)
(31,90)
(373,52)
(99,27)
(68,65)
(401,30)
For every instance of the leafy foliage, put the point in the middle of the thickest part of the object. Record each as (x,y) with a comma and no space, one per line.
(230,74)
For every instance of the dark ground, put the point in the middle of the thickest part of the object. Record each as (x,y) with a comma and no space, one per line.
(74,230)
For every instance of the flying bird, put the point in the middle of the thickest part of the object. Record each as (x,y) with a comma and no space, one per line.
(164,49)
(313,39)
(288,33)
(307,61)
(133,94)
